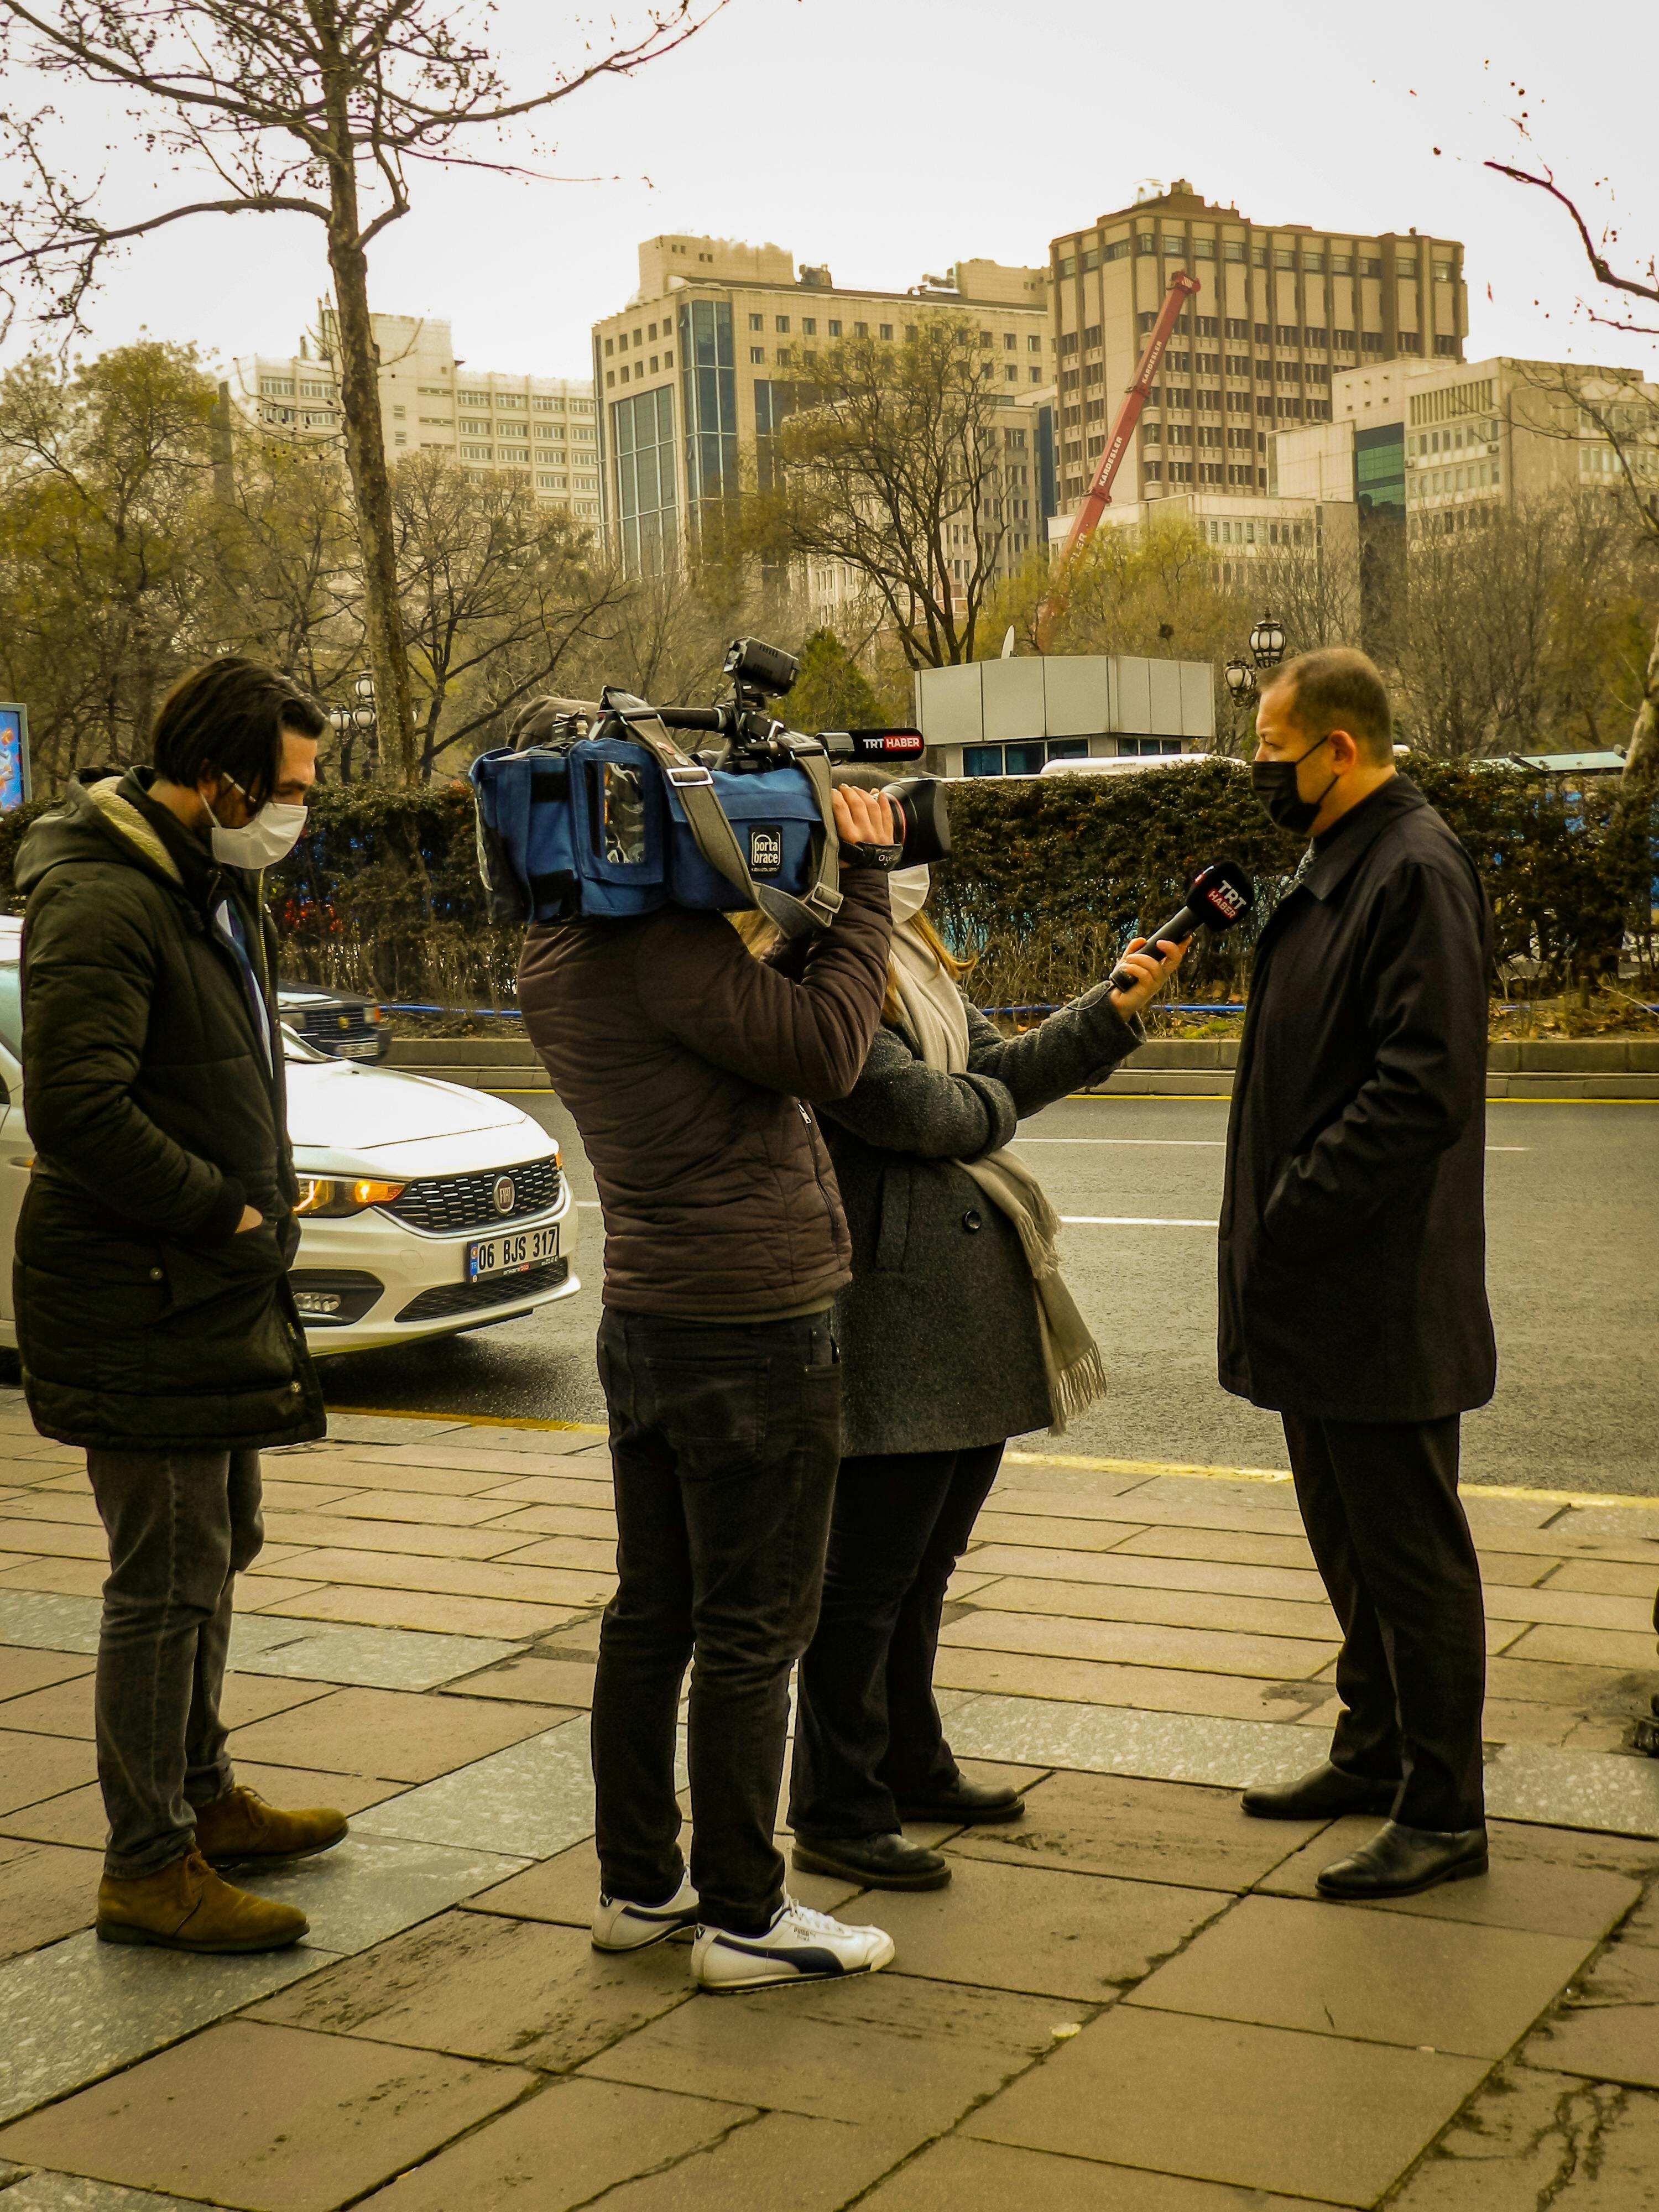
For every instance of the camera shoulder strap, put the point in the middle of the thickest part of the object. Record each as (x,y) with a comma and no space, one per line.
(694,786)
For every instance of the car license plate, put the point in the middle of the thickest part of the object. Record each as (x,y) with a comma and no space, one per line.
(513,1255)
(365,1048)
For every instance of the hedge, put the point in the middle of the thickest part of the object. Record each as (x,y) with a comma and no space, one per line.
(1047,877)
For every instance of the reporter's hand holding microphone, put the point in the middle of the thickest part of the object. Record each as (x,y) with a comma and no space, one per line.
(1219,895)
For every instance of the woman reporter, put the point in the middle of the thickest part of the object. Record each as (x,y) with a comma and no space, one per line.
(957,1332)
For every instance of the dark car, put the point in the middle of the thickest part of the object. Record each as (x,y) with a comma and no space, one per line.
(339,1023)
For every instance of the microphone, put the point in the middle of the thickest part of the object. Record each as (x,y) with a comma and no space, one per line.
(1219,895)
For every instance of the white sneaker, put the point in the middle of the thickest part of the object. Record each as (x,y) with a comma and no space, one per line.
(619,1925)
(800,1946)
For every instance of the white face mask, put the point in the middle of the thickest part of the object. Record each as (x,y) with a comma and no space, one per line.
(906,892)
(269,837)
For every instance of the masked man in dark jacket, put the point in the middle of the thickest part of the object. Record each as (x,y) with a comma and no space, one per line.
(689,1067)
(1353,1297)
(154,1315)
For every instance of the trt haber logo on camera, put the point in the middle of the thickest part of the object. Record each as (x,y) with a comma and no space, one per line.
(765,849)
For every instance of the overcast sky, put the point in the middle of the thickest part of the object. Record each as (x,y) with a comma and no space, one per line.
(888,138)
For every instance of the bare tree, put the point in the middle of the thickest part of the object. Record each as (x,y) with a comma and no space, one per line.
(1637,284)
(889,464)
(495,589)
(320,108)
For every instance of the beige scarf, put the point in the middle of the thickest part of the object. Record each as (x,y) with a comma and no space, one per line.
(938,1020)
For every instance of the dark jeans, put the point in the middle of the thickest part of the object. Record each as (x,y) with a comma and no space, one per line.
(1379,1501)
(724,1439)
(182,1526)
(868,1731)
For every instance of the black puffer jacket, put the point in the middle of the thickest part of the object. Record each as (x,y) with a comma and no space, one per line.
(144,1318)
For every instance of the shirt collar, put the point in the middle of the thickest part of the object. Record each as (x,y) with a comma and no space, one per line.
(1339,850)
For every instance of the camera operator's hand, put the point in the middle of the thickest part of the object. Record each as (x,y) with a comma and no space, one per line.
(864,821)
(1153,969)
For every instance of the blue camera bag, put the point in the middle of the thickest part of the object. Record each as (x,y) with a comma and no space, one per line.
(613,827)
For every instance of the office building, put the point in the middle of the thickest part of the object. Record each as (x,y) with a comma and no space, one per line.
(696,374)
(1285,310)
(1011,717)
(539,430)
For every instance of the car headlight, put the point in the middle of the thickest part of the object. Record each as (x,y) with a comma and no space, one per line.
(322,1195)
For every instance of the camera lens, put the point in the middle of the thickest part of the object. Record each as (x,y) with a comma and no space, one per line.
(924,823)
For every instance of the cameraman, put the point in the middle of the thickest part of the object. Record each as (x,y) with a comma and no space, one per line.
(685,1063)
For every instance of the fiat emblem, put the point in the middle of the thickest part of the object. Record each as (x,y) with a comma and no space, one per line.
(506,1195)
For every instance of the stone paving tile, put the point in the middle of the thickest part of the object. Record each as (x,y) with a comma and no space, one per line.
(36,1766)
(987,2177)
(1101,1682)
(1381,1978)
(73,2193)
(63,1710)
(827,2163)
(47,1892)
(399,1540)
(368,1472)
(597,1522)
(1537,2142)
(82,1579)
(265,2117)
(1620,1647)
(1602,2042)
(80,2008)
(1229,2103)
(40,1620)
(61,1540)
(499,1620)
(1624,1523)
(543,1681)
(75,1818)
(366,1658)
(1556,1608)
(562,1889)
(1058,1636)
(397,1734)
(517,1991)
(485,1578)
(1609,1577)
(1160,1746)
(406,1431)
(1158,1832)
(23,1672)
(1005,1520)
(1071,1935)
(887,2048)
(1523,1889)
(575,2142)
(574,1486)
(1167,1608)
(1218,1578)
(1550,1682)
(532,1799)
(592,1555)
(370,1887)
(419,1508)
(1574,1789)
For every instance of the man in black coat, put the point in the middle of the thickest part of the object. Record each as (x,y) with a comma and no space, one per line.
(1353,1259)
(155,1320)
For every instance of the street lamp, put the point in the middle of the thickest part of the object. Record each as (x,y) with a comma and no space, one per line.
(1267,642)
(1240,680)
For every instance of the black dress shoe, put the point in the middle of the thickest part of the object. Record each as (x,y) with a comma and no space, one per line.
(1399,1861)
(1325,1794)
(965,1801)
(872,1861)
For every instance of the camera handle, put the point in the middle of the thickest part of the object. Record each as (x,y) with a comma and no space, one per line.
(692,785)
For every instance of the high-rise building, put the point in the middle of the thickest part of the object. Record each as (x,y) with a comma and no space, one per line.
(540,431)
(688,374)
(1284,310)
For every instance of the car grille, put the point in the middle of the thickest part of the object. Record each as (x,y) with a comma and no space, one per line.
(330,1027)
(476,1297)
(441,1203)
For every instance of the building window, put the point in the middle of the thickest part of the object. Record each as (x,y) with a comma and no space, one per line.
(885,331)
(642,433)
(709,376)
(610,347)
(551,484)
(1012,373)
(860,329)
(781,322)
(1447,346)
(624,374)
(475,453)
(1370,265)
(809,324)
(1233,249)
(1117,250)
(756,353)
(757,322)
(1153,471)
(548,406)
(835,330)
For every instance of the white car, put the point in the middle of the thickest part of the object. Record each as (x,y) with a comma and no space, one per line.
(425,1208)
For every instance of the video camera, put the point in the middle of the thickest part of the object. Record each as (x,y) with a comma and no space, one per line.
(598,809)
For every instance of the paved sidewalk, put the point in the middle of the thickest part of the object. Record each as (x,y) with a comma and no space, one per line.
(1130,2000)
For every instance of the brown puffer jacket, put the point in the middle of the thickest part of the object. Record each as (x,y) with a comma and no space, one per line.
(685,1063)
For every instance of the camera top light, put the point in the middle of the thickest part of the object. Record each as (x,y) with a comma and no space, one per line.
(760,667)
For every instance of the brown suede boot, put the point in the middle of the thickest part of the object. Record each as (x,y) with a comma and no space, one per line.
(186,1907)
(241,1826)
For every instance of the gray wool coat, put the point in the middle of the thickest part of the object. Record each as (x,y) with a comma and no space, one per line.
(938,1328)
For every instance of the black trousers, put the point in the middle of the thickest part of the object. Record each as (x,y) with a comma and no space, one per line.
(724,1439)
(868,1731)
(1379,1501)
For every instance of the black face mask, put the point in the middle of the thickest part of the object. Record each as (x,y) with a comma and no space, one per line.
(1275,786)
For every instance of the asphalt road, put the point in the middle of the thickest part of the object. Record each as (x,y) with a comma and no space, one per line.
(1573,1212)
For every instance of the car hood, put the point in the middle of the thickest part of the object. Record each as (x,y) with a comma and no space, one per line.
(346,1119)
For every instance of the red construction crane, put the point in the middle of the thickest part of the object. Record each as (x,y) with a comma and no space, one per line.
(1098,497)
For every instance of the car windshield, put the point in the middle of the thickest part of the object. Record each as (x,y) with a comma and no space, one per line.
(296,1047)
(11,1008)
